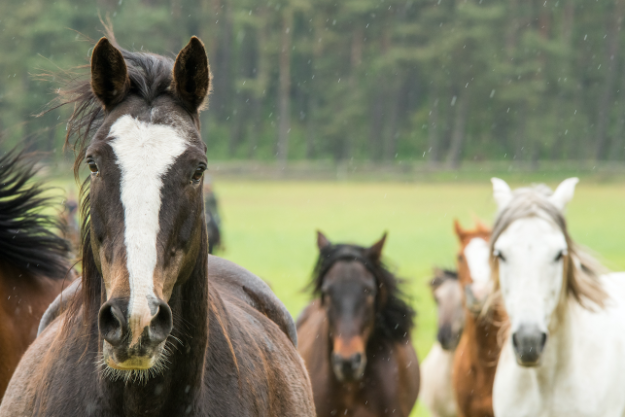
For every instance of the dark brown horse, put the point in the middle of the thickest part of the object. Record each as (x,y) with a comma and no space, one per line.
(159,327)
(33,261)
(475,359)
(355,336)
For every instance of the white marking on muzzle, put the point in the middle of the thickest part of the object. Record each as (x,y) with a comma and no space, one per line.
(144,153)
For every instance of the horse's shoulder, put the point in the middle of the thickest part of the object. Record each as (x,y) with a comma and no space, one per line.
(233,280)
(19,397)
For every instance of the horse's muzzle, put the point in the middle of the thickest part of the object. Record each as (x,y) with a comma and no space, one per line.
(447,337)
(119,352)
(351,368)
(528,343)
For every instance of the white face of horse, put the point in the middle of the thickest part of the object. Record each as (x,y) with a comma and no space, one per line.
(531,253)
(477,254)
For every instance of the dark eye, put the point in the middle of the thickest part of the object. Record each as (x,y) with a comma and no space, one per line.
(93,167)
(559,256)
(198,173)
(500,256)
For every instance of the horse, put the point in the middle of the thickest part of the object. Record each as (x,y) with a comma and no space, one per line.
(436,378)
(355,335)
(475,359)
(34,262)
(564,353)
(157,326)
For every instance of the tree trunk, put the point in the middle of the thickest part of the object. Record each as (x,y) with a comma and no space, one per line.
(393,130)
(434,133)
(557,150)
(285,87)
(618,142)
(459,132)
(603,108)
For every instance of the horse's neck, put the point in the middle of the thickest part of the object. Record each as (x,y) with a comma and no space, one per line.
(483,332)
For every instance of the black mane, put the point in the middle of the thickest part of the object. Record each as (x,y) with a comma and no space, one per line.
(26,238)
(394,318)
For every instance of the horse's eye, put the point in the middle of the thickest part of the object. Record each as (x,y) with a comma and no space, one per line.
(198,173)
(559,256)
(500,256)
(460,257)
(93,167)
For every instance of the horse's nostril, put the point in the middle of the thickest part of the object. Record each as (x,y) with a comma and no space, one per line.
(161,324)
(356,359)
(515,341)
(112,323)
(543,340)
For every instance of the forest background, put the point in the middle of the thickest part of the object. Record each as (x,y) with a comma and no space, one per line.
(442,81)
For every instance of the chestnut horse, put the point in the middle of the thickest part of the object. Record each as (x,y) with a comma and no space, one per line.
(355,336)
(159,327)
(33,260)
(475,359)
(436,369)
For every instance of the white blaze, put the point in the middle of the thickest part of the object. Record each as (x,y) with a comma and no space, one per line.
(144,154)
(477,253)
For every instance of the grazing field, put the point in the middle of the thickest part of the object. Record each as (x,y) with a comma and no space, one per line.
(269,228)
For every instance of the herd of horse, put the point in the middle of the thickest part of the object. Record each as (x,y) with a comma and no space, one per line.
(153,325)
(530,324)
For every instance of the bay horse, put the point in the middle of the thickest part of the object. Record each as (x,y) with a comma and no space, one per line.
(564,353)
(157,326)
(436,369)
(475,359)
(34,262)
(355,335)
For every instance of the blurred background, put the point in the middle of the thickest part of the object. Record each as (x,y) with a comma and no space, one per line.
(354,81)
(357,117)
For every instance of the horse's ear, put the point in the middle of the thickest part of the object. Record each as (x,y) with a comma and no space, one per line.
(564,193)
(375,251)
(481,226)
(501,192)
(192,75)
(322,240)
(460,232)
(109,75)
(438,279)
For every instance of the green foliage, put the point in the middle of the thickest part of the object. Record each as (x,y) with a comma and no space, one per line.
(369,79)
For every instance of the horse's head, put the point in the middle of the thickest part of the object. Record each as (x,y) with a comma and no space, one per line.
(530,250)
(350,295)
(447,293)
(473,265)
(146,161)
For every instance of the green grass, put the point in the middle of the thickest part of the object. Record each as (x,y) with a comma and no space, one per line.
(269,228)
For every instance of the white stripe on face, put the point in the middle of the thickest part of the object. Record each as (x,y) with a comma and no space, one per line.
(144,153)
(477,253)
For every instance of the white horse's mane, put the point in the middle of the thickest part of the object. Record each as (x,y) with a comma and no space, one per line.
(581,270)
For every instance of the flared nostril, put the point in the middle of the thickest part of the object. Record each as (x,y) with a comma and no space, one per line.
(356,360)
(112,324)
(161,324)
(543,340)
